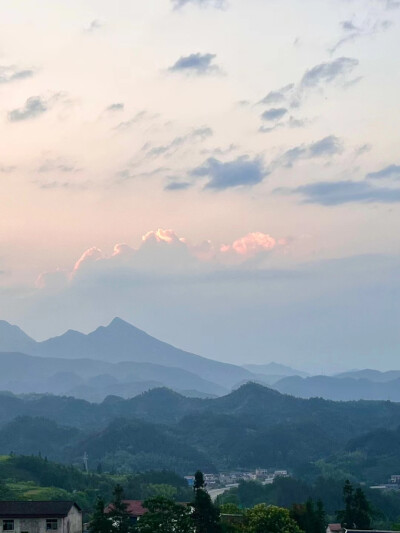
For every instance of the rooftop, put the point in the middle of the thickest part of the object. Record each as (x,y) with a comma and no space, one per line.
(41,509)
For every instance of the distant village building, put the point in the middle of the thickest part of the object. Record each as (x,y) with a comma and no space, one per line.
(134,507)
(334,528)
(337,528)
(40,517)
(190,480)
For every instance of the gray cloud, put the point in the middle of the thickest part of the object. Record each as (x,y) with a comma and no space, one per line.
(34,107)
(118,106)
(57,165)
(141,115)
(291,123)
(274,113)
(127,174)
(220,151)
(391,172)
(353,32)
(199,134)
(242,171)
(65,185)
(328,146)
(363,149)
(177,186)
(12,73)
(195,64)
(343,192)
(7,169)
(328,72)
(292,95)
(279,96)
(93,26)
(202,3)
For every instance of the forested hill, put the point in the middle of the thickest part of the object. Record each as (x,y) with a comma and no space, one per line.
(250,427)
(253,402)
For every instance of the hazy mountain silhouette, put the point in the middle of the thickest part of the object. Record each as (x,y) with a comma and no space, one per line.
(371,375)
(94,380)
(13,339)
(339,388)
(120,341)
(274,369)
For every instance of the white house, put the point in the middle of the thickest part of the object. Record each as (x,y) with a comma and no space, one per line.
(40,517)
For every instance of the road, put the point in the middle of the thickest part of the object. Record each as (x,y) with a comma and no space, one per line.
(217,492)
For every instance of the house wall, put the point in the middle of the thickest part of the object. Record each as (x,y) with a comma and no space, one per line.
(73,522)
(70,524)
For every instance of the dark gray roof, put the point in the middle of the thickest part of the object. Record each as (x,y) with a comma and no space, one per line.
(14,509)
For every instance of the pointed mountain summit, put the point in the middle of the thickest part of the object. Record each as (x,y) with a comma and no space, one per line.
(13,339)
(121,342)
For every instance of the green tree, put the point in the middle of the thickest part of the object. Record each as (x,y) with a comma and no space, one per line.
(309,518)
(362,510)
(347,516)
(165,516)
(234,522)
(262,518)
(100,522)
(121,520)
(357,513)
(205,516)
(153,490)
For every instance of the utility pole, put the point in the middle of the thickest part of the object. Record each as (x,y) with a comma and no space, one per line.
(85,461)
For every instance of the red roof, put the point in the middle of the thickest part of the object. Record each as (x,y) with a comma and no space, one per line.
(134,507)
(335,527)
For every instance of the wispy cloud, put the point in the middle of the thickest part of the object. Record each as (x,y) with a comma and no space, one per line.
(58,165)
(331,193)
(338,71)
(94,26)
(274,113)
(389,172)
(328,146)
(352,32)
(33,108)
(7,169)
(178,186)
(219,4)
(197,135)
(278,96)
(329,72)
(242,171)
(118,106)
(11,73)
(198,64)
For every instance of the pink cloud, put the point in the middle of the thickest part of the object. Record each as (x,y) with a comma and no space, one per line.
(90,255)
(163,250)
(122,249)
(162,235)
(52,280)
(250,245)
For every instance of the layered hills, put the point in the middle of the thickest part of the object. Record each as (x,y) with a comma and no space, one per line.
(251,427)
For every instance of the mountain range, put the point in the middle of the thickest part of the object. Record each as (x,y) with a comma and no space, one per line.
(117,359)
(253,426)
(121,360)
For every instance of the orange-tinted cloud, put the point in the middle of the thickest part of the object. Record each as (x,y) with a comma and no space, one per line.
(162,235)
(250,245)
(90,255)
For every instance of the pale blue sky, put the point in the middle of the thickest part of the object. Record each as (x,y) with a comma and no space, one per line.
(264,134)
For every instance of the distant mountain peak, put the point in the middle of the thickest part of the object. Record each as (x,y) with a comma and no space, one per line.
(118,323)
(13,339)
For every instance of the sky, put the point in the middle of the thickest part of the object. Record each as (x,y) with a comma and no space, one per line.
(223,174)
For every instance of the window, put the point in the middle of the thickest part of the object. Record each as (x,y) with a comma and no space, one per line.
(8,525)
(51,524)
